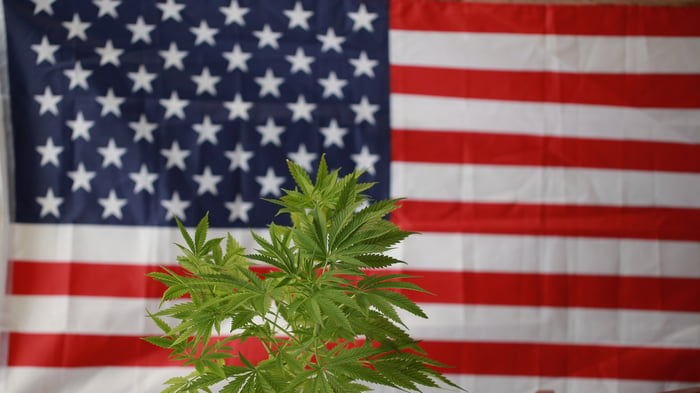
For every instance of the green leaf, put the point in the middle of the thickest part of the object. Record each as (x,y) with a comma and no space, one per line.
(405,285)
(323,296)
(185,235)
(167,279)
(236,384)
(245,361)
(332,311)
(200,234)
(322,171)
(159,322)
(401,301)
(174,293)
(300,177)
(382,305)
(388,281)
(210,246)
(320,232)
(162,342)
(378,261)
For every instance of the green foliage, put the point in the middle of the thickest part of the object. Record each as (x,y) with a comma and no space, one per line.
(327,321)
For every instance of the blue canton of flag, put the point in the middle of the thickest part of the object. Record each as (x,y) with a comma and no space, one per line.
(134,112)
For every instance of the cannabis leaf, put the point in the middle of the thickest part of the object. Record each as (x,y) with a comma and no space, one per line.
(328,320)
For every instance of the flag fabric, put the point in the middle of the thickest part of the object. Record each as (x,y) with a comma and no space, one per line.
(549,155)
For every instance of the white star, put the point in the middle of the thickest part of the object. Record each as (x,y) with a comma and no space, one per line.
(333,134)
(109,54)
(140,31)
(301,109)
(112,205)
(364,65)
(364,111)
(234,13)
(170,9)
(111,155)
(239,158)
(49,153)
(78,76)
(270,133)
(270,183)
(175,206)
(238,108)
(107,7)
(45,51)
(206,83)
(300,62)
(238,209)
(365,160)
(298,17)
(76,28)
(174,106)
(175,156)
(43,5)
(269,84)
(143,129)
(207,182)
(237,59)
(330,41)
(110,103)
(48,101)
(303,158)
(80,127)
(49,204)
(81,178)
(362,19)
(142,79)
(267,37)
(332,86)
(173,57)
(204,34)
(207,131)
(143,180)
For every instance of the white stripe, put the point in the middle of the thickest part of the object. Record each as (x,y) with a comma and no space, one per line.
(550,254)
(556,325)
(88,379)
(414,112)
(150,379)
(513,384)
(556,53)
(119,316)
(106,243)
(82,315)
(427,251)
(544,185)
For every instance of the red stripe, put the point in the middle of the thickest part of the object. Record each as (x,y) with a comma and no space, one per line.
(84,350)
(582,361)
(554,220)
(588,361)
(558,290)
(526,289)
(88,279)
(630,90)
(544,19)
(84,279)
(505,149)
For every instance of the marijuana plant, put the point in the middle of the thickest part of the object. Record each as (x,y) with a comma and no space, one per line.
(326,320)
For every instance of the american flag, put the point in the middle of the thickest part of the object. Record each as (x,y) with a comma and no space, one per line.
(549,155)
